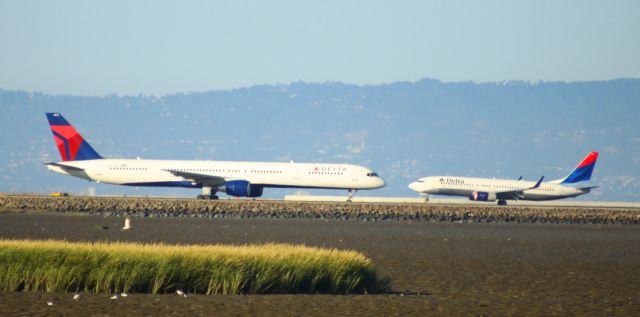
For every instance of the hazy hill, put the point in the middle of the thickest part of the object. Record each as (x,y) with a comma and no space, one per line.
(402,130)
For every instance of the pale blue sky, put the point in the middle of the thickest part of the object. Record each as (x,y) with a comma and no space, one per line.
(160,47)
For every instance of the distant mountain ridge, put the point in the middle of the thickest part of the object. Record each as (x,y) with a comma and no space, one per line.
(403,130)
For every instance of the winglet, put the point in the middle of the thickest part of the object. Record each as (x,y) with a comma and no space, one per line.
(538,183)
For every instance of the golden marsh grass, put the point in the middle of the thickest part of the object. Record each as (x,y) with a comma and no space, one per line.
(105,267)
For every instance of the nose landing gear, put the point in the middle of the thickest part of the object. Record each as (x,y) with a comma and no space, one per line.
(350,195)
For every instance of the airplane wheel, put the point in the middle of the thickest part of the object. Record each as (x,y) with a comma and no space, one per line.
(215,197)
(200,196)
(502,202)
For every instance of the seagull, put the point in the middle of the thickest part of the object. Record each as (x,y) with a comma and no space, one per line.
(76,296)
(50,303)
(124,294)
(179,292)
(114,297)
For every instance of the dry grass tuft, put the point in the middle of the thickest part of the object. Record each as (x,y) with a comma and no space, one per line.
(60,266)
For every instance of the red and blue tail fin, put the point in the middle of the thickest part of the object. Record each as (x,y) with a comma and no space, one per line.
(70,143)
(582,172)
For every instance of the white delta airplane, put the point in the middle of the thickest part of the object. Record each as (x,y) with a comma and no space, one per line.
(235,178)
(490,189)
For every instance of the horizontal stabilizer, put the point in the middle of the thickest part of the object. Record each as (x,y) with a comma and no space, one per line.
(587,189)
(66,167)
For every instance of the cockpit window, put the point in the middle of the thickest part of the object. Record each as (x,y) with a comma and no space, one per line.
(372,174)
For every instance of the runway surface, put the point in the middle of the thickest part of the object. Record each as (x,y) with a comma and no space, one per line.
(445,268)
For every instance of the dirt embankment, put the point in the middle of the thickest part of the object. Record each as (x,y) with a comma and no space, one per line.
(157,207)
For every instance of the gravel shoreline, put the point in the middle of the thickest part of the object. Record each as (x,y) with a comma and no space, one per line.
(160,207)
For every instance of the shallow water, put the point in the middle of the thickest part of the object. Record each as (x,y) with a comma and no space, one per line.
(463,268)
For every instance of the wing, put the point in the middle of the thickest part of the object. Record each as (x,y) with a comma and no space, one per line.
(516,194)
(203,179)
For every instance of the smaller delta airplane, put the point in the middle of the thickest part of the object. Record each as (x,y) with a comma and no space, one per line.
(490,189)
(239,179)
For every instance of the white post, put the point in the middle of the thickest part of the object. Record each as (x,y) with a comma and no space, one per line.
(127,224)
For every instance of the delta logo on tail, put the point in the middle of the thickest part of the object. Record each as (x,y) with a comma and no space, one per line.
(583,171)
(70,143)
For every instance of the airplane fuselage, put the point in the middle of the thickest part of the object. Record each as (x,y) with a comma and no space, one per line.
(140,172)
(467,186)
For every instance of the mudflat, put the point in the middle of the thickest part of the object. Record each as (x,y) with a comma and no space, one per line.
(434,267)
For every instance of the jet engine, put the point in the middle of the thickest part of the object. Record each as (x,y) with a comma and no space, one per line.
(242,188)
(483,196)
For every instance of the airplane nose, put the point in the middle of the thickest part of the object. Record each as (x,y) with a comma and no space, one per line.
(414,186)
(380,183)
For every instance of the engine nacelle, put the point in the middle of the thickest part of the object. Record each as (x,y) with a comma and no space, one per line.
(483,196)
(241,188)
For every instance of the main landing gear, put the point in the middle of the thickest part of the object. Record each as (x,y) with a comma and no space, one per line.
(502,202)
(205,197)
(350,195)
(207,194)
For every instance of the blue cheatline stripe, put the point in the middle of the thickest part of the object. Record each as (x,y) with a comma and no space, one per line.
(56,119)
(66,144)
(579,174)
(302,187)
(165,184)
(188,184)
